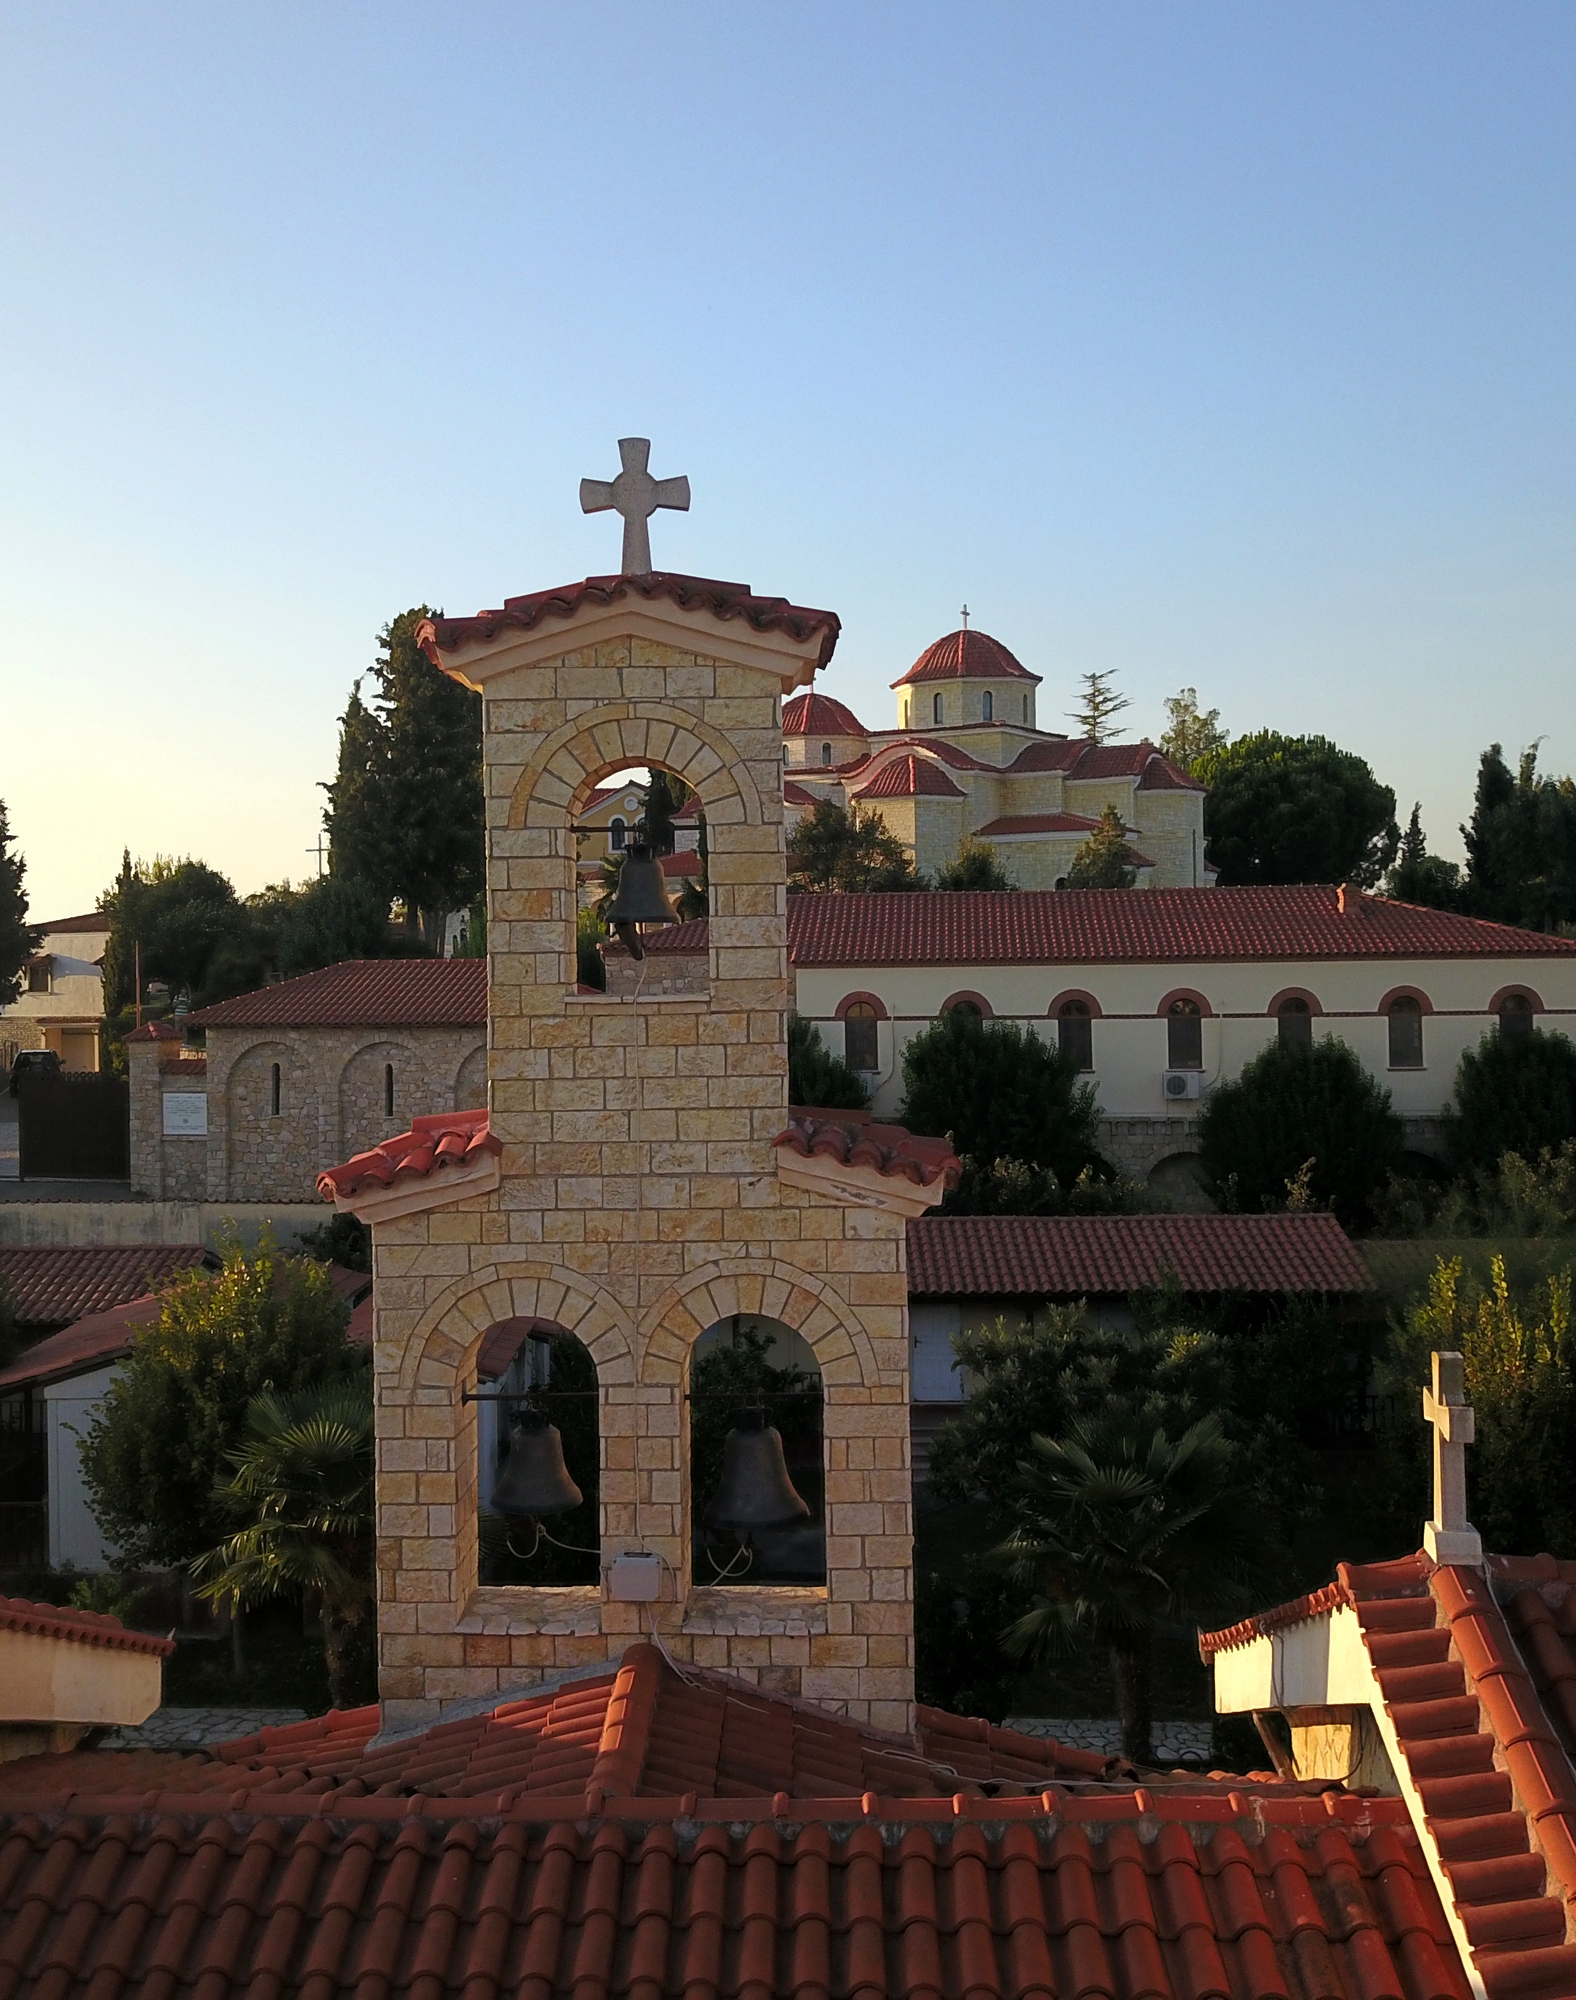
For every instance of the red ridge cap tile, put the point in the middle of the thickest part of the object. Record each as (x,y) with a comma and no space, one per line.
(852,1140)
(444,1139)
(79,1628)
(1295,1612)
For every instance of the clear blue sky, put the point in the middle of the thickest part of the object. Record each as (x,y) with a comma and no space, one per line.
(1214,344)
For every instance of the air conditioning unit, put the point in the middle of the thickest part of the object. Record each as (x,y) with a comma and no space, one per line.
(1179,1083)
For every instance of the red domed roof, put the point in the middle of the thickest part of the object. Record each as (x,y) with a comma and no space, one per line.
(966,656)
(819,715)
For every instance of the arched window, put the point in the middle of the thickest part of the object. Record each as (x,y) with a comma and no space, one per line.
(1025,709)
(1406,1032)
(388,1090)
(1075,1033)
(1515,1016)
(826,753)
(1294,1023)
(615,835)
(861,1045)
(536,1412)
(987,706)
(755,1449)
(965,1003)
(935,708)
(273,1090)
(785,753)
(1184,1035)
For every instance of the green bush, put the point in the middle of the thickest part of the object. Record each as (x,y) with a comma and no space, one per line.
(816,1076)
(1514,1094)
(998,1091)
(1291,1107)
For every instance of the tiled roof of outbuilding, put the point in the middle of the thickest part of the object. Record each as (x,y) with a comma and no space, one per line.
(57,1284)
(363,993)
(819,715)
(725,601)
(965,656)
(1084,1256)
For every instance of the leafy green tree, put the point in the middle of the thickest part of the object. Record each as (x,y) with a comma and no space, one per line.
(161,1440)
(1191,734)
(974,866)
(1421,877)
(1104,861)
(590,935)
(849,850)
(1291,1106)
(196,935)
(405,807)
(1296,809)
(1521,845)
(998,1091)
(1011,1187)
(1121,1530)
(1514,1094)
(1101,705)
(300,1490)
(816,1076)
(323,923)
(18,939)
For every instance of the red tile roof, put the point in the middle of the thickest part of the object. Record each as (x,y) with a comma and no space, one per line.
(95,920)
(819,715)
(363,993)
(997,829)
(725,601)
(966,656)
(1081,1256)
(1154,771)
(156,1031)
(1124,926)
(446,1139)
(853,1141)
(79,1628)
(56,1285)
(909,777)
(796,795)
(1058,753)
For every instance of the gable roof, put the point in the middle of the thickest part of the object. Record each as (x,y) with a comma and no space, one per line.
(57,1284)
(94,1629)
(908,777)
(820,715)
(1086,1256)
(95,920)
(725,601)
(966,656)
(363,993)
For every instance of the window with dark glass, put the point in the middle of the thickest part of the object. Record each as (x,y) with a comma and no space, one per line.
(826,753)
(615,835)
(38,976)
(1515,1016)
(861,1046)
(388,1090)
(1184,1035)
(967,1007)
(987,706)
(1294,1024)
(273,1090)
(935,708)
(1075,1033)
(1406,1033)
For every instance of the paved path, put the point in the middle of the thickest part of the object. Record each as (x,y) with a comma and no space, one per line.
(198,1728)
(1174,1741)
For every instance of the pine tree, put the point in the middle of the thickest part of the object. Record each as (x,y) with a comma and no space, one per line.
(1104,861)
(1421,877)
(18,939)
(1101,706)
(1190,735)
(1521,844)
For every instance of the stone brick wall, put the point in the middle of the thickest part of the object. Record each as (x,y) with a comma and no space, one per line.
(639,1204)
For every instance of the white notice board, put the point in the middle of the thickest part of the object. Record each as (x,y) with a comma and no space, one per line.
(186,1114)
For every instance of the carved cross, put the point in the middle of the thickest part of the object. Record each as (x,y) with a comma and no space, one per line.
(637,496)
(1450,1537)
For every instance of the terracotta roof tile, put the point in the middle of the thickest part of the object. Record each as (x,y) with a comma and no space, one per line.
(909,777)
(363,993)
(1073,1256)
(1056,753)
(819,715)
(95,920)
(967,655)
(446,1139)
(79,1628)
(56,1285)
(796,795)
(724,601)
(77,1349)
(997,829)
(156,1031)
(853,1141)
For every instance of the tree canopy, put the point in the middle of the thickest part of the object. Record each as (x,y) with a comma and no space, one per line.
(833,847)
(1514,1094)
(1421,877)
(1300,1123)
(196,935)
(1521,844)
(1104,860)
(815,1075)
(1191,734)
(1000,1092)
(1101,704)
(18,939)
(1296,809)
(975,866)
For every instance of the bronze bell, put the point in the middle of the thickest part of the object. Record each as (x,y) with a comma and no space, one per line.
(755,1490)
(642,897)
(533,1480)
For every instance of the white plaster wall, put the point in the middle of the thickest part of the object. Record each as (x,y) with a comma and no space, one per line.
(74,1536)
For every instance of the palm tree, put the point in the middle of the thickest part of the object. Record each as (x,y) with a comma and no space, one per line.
(302,1485)
(1122,1530)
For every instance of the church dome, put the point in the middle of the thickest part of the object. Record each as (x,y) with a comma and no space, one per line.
(819,715)
(966,656)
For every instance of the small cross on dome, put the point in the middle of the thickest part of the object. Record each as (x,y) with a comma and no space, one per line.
(637,496)
(965,617)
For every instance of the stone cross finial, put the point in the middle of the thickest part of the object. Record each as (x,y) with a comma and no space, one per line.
(637,496)
(1450,1537)
(965,617)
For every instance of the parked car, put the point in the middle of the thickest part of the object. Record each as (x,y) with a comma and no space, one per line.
(33,1062)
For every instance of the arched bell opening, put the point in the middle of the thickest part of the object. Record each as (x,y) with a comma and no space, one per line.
(757,1456)
(537,1456)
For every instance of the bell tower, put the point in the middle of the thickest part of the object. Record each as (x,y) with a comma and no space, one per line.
(636,1181)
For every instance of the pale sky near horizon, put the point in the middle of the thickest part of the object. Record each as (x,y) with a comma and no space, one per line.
(1213,344)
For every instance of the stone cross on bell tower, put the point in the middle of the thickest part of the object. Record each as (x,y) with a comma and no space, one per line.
(637,496)
(1450,1537)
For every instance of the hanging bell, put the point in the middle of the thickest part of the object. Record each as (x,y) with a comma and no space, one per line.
(755,1490)
(533,1480)
(642,897)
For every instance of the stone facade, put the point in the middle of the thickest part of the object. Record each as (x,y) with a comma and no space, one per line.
(639,1200)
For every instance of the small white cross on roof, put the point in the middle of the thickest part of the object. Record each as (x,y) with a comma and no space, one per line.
(637,496)
(1450,1537)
